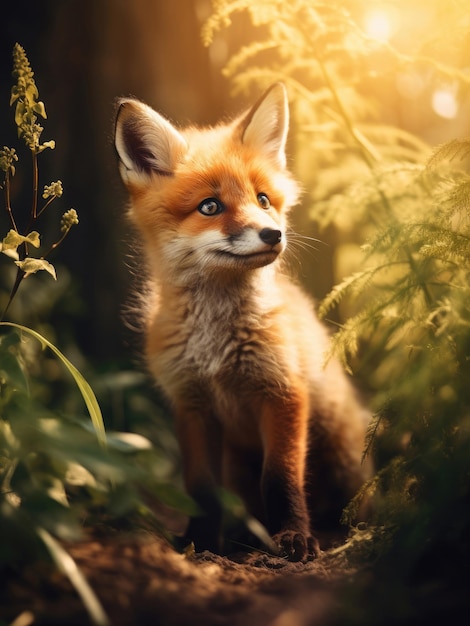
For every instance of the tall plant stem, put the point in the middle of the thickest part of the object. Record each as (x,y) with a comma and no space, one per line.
(34,208)
(8,201)
(369,156)
(23,250)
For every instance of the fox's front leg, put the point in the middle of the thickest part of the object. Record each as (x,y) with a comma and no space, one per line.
(284,424)
(199,436)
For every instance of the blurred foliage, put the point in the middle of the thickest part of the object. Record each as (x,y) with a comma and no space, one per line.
(61,474)
(401,213)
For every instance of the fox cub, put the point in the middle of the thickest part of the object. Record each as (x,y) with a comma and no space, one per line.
(232,342)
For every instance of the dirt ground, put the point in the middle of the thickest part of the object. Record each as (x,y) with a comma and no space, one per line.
(145,581)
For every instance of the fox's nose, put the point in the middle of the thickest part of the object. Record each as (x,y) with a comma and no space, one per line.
(271,236)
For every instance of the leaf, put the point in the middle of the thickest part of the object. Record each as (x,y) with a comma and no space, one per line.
(129,442)
(68,566)
(10,363)
(11,340)
(31,266)
(43,499)
(85,389)
(47,144)
(13,371)
(40,109)
(31,93)
(20,112)
(78,475)
(33,238)
(14,239)
(15,94)
(13,254)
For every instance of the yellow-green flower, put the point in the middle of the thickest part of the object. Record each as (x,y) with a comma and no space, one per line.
(7,158)
(69,218)
(54,190)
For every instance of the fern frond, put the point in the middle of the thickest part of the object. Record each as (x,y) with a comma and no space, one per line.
(449,151)
(388,239)
(370,487)
(454,197)
(353,284)
(246,54)
(221,17)
(393,136)
(371,433)
(448,246)
(345,343)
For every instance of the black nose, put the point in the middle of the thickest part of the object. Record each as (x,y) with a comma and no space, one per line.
(271,236)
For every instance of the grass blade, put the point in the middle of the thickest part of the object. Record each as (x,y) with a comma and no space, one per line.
(85,389)
(67,565)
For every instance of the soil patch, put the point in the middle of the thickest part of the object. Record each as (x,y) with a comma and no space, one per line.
(144,580)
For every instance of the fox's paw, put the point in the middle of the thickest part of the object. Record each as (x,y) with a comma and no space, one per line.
(297,546)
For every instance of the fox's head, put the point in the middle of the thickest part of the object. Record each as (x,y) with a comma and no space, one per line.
(208,200)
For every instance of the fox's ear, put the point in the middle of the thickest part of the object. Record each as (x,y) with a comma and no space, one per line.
(265,125)
(146,143)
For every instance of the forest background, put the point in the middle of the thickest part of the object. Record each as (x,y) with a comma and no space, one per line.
(380,115)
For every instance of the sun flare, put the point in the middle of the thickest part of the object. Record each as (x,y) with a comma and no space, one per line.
(378,24)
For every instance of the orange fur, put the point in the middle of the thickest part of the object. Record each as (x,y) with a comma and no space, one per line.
(231,341)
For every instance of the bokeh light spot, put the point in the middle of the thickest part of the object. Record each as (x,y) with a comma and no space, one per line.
(444,103)
(378,25)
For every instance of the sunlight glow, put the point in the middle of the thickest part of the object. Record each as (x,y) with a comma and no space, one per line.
(444,103)
(378,24)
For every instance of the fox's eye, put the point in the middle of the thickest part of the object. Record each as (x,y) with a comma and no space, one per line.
(210,206)
(263,201)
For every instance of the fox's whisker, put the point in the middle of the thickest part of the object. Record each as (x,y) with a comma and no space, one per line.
(292,257)
(303,245)
(292,233)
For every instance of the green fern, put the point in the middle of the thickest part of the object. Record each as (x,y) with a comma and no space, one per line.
(351,285)
(455,150)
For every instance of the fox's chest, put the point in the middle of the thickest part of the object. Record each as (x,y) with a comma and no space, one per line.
(227,346)
(229,343)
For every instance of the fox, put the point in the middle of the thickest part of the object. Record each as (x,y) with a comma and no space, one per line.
(231,339)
